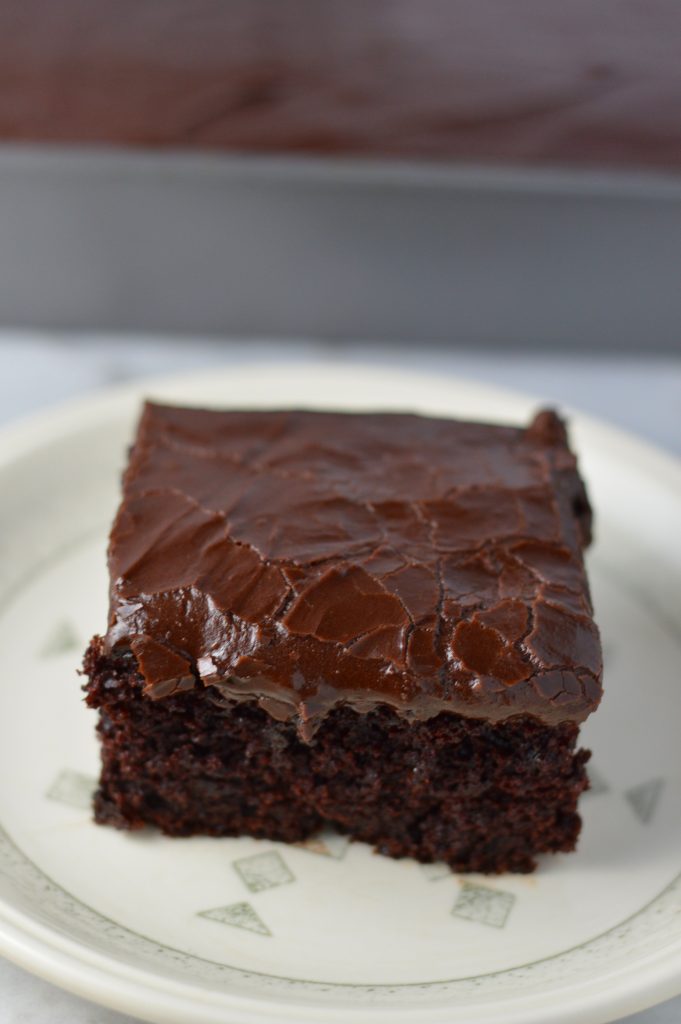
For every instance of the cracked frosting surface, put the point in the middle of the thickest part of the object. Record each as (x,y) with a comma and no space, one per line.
(307,560)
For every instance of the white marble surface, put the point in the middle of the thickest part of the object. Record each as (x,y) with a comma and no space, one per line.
(640,394)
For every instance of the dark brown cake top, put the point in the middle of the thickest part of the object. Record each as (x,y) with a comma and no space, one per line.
(310,559)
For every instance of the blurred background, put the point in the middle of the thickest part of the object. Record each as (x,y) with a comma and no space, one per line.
(448,172)
(472,187)
(483,188)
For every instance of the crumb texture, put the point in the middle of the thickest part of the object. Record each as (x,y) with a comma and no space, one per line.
(478,795)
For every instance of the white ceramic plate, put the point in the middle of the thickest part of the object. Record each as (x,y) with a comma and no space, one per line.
(247,932)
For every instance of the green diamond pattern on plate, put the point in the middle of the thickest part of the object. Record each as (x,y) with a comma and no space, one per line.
(72,788)
(62,638)
(327,843)
(484,905)
(643,799)
(238,915)
(263,871)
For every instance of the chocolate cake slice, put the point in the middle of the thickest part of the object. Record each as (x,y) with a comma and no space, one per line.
(376,621)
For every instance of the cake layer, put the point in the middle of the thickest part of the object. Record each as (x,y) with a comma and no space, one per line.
(476,795)
(303,561)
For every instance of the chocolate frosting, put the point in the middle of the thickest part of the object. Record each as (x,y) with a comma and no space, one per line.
(306,560)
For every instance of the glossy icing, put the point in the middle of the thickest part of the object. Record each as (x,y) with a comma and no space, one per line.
(307,560)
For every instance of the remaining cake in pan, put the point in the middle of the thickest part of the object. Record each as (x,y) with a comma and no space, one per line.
(376,621)
(538,82)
